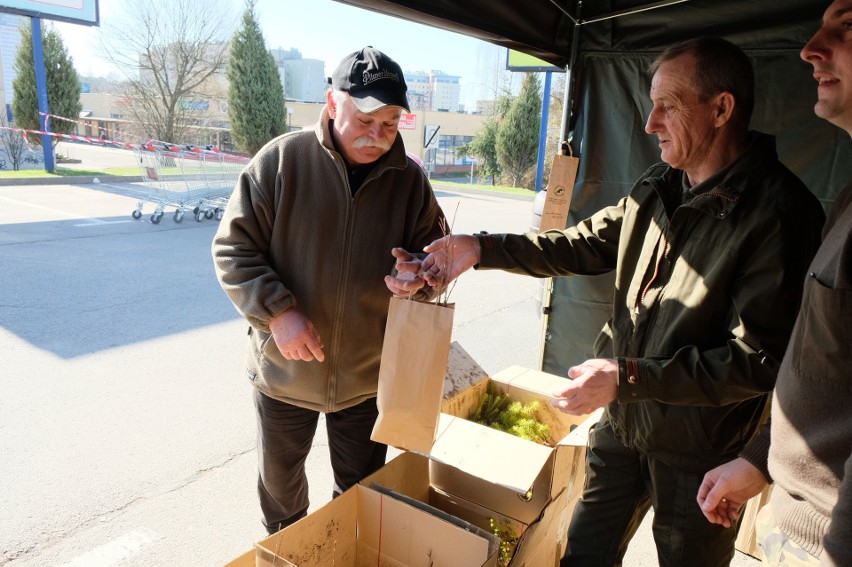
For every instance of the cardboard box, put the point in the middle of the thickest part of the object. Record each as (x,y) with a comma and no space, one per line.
(367,527)
(520,476)
(746,537)
(247,559)
(540,543)
(479,474)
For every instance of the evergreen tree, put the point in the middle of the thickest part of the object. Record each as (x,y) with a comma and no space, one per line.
(63,85)
(484,147)
(255,95)
(517,139)
(484,144)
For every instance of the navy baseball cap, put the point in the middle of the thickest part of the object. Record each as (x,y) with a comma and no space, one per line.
(372,79)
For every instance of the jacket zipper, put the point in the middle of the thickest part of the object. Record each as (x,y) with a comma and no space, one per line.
(341,284)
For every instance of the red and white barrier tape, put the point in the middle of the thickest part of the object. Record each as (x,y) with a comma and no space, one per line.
(24,132)
(150,145)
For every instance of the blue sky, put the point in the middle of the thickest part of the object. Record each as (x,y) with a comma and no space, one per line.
(328,30)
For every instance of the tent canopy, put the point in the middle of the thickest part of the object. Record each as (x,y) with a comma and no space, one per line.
(546,28)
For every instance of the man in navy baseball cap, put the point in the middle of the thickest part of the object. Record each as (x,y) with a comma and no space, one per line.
(301,252)
(372,79)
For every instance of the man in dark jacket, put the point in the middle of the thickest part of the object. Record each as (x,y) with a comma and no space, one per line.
(301,255)
(709,250)
(809,517)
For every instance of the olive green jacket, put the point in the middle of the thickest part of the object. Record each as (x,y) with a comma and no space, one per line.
(705,298)
(294,236)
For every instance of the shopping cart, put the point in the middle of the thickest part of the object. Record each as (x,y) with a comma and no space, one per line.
(187,178)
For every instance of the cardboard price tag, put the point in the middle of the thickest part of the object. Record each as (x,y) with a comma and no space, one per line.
(560,189)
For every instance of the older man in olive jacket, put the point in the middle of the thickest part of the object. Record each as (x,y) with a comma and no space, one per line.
(709,250)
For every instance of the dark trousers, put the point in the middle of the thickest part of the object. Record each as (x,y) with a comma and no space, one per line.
(284,436)
(621,485)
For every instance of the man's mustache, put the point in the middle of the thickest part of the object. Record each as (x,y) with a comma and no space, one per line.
(367,142)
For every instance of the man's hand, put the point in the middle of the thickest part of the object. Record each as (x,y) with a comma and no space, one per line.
(726,488)
(449,257)
(593,385)
(407,280)
(296,337)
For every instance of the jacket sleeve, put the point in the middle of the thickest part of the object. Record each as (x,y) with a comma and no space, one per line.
(241,245)
(589,248)
(430,225)
(764,297)
(757,450)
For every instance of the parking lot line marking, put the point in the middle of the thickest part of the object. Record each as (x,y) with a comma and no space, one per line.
(114,552)
(98,222)
(90,221)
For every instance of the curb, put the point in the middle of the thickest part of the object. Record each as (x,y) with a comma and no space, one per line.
(438,186)
(70,180)
(90,180)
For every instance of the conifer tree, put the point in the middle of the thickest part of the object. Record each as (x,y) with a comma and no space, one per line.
(517,139)
(63,85)
(484,144)
(255,95)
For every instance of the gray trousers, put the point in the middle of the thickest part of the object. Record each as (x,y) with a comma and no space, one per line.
(621,486)
(284,436)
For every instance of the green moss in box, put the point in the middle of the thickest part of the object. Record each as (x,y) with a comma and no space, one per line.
(508,541)
(499,412)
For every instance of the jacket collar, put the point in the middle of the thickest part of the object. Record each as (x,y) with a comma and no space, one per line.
(743,176)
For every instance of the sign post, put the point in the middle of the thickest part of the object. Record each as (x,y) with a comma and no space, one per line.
(41,92)
(430,136)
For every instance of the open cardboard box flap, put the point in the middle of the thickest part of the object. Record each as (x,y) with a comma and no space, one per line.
(497,457)
(363,526)
(476,450)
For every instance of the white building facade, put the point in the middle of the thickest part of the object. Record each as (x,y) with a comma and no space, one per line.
(435,91)
(10,38)
(303,80)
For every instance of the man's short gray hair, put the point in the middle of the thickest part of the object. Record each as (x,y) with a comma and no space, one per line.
(339,97)
(720,67)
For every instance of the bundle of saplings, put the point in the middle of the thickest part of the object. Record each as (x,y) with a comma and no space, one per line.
(499,412)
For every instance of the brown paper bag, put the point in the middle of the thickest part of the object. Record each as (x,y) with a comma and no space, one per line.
(560,189)
(411,376)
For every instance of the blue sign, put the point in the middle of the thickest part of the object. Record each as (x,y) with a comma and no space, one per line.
(195,104)
(75,11)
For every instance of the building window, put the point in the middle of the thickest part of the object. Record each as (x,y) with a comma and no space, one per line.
(445,153)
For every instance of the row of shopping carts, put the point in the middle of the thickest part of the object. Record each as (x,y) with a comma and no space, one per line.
(188,179)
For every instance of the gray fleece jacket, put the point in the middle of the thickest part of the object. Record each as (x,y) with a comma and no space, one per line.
(294,236)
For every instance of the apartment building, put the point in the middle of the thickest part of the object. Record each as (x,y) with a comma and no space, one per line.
(436,91)
(304,80)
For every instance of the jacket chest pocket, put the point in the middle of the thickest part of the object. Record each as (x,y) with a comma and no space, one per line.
(824,337)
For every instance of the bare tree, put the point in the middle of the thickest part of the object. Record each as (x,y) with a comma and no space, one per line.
(12,144)
(173,55)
